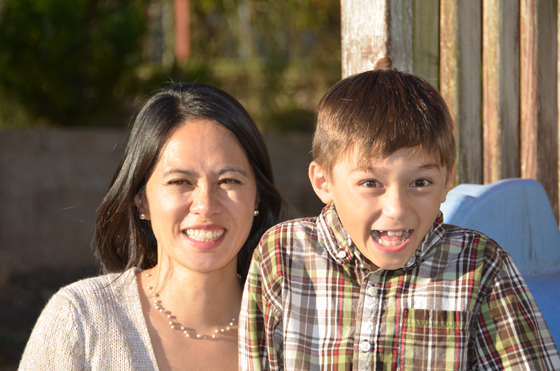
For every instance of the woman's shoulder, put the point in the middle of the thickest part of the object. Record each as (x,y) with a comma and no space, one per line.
(100,288)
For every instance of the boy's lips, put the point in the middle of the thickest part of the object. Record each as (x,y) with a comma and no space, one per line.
(391,238)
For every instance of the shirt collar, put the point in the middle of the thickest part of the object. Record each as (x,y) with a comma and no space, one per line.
(340,247)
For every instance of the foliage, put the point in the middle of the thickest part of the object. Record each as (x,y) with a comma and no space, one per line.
(81,62)
(286,53)
(69,61)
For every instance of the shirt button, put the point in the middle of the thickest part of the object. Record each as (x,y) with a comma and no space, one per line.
(372,291)
(365,346)
(341,254)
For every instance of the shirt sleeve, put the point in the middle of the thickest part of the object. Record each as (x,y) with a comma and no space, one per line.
(260,327)
(512,333)
(57,341)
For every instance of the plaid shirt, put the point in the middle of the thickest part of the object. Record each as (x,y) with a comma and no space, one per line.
(313,302)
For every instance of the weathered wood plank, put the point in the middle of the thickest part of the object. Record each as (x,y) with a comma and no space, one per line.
(500,66)
(376,34)
(425,40)
(460,81)
(539,110)
(529,88)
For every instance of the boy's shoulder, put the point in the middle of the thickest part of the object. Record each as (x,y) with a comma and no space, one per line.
(470,244)
(291,238)
(293,229)
(467,236)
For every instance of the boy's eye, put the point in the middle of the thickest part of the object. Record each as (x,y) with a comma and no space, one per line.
(371,183)
(421,183)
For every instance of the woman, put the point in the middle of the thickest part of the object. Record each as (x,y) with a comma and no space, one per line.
(190,199)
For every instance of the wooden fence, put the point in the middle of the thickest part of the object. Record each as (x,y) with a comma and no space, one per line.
(494,62)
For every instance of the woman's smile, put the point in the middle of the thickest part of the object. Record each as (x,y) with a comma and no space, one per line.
(204,235)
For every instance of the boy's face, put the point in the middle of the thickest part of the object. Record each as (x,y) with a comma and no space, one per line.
(387,206)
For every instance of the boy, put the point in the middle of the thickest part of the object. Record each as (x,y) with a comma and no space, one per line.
(377,281)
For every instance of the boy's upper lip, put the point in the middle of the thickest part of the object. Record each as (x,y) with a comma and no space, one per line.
(393,230)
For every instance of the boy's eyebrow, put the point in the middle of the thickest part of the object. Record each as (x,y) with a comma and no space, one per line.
(428,166)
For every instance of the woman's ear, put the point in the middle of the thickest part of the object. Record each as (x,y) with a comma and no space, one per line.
(320,183)
(141,204)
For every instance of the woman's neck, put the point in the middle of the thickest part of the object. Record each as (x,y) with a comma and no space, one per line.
(197,300)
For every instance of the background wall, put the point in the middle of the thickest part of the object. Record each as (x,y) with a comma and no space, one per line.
(52,181)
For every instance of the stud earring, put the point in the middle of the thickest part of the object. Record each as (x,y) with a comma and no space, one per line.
(256,213)
(142,216)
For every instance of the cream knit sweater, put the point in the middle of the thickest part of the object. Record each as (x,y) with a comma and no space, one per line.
(93,324)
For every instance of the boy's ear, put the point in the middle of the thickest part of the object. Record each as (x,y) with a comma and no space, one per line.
(448,183)
(320,183)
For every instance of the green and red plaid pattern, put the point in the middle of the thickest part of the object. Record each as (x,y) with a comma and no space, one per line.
(312,301)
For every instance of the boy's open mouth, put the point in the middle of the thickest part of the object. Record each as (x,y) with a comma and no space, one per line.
(390,238)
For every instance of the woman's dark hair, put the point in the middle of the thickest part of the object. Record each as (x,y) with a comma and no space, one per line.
(122,239)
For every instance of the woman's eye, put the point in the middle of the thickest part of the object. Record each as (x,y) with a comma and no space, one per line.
(371,183)
(421,183)
(178,182)
(229,181)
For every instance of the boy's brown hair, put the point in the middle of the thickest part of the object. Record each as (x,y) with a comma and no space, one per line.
(379,112)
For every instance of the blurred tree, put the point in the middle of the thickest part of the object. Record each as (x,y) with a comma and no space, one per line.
(70,61)
(80,62)
(277,57)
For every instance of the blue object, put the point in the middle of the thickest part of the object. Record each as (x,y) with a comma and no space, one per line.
(517,214)
(546,291)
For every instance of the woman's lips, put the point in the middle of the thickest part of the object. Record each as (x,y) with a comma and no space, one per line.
(204,235)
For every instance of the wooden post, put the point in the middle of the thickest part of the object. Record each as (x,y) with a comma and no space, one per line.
(376,34)
(500,76)
(182,30)
(460,79)
(539,109)
(425,40)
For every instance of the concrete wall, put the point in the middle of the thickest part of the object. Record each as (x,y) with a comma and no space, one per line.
(51,182)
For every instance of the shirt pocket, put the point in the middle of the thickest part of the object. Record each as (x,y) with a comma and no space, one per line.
(434,340)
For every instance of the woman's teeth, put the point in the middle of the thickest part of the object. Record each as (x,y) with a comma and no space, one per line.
(377,235)
(204,235)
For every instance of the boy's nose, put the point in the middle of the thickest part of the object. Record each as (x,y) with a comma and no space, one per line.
(204,202)
(396,205)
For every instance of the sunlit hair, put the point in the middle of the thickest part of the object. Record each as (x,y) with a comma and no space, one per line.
(379,112)
(122,239)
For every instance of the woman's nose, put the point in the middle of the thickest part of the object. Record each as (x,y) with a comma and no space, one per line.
(204,202)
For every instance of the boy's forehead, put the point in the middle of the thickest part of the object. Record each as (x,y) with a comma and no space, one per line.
(357,160)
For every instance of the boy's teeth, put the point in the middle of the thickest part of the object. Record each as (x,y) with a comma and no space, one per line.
(403,234)
(204,235)
(389,243)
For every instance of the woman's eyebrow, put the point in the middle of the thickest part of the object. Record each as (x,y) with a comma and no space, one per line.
(191,173)
(179,171)
(234,169)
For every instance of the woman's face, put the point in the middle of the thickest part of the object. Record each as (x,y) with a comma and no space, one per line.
(201,197)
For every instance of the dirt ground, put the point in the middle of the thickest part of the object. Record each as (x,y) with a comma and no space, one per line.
(21,302)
